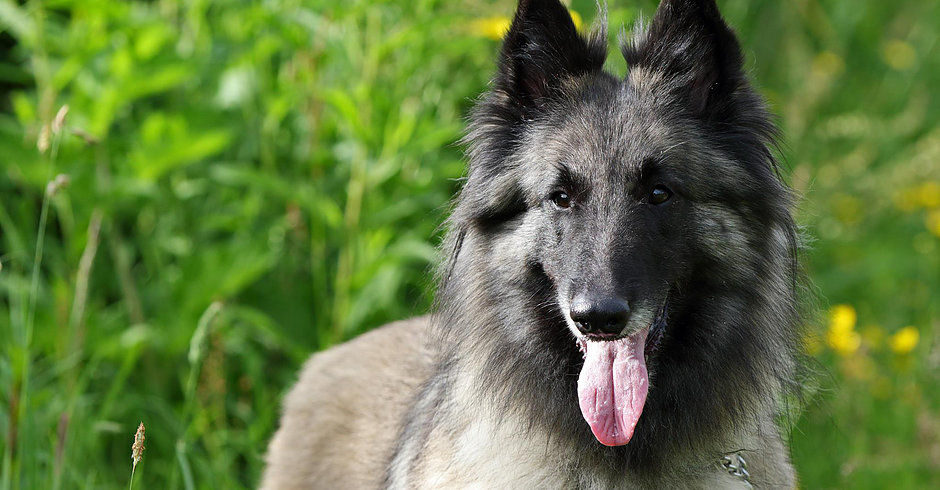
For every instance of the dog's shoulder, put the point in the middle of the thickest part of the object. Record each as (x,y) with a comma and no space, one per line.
(341,418)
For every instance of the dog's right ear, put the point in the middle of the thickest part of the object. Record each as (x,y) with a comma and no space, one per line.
(541,49)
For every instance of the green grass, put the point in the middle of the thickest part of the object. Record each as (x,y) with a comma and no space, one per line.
(252,181)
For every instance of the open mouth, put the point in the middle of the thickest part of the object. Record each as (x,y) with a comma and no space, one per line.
(614,381)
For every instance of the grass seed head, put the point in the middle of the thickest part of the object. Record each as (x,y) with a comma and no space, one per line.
(59,120)
(45,136)
(137,449)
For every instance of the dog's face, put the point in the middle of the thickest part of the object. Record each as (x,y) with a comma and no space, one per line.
(610,206)
(629,198)
(615,185)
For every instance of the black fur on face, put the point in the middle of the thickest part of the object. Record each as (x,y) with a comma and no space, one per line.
(720,253)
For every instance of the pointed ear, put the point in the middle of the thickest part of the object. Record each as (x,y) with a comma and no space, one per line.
(693,48)
(541,49)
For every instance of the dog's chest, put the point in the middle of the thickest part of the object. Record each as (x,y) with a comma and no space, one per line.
(485,454)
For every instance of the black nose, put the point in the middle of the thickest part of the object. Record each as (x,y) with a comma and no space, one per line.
(599,315)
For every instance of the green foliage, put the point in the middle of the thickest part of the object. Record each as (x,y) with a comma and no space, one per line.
(246,182)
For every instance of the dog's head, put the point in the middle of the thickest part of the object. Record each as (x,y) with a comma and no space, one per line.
(642,213)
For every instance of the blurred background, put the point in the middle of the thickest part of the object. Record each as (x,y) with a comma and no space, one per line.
(195,195)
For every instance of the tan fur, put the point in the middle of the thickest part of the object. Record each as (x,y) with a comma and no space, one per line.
(342,418)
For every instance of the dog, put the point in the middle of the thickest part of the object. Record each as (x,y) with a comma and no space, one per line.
(618,304)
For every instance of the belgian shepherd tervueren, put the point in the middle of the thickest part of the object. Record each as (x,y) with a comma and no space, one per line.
(617,308)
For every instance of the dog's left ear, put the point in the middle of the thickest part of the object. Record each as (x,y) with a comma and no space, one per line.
(694,49)
(541,49)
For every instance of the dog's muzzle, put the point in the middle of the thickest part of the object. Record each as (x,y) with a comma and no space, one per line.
(599,317)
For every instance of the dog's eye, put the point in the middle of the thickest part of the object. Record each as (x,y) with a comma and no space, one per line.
(660,194)
(561,199)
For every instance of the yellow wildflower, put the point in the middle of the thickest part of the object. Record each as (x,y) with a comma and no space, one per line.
(491,27)
(842,336)
(495,28)
(576,18)
(928,194)
(844,343)
(842,318)
(904,340)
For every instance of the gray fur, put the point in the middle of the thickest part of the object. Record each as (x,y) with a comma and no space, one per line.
(482,394)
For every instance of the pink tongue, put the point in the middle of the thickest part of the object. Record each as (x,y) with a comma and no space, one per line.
(612,387)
